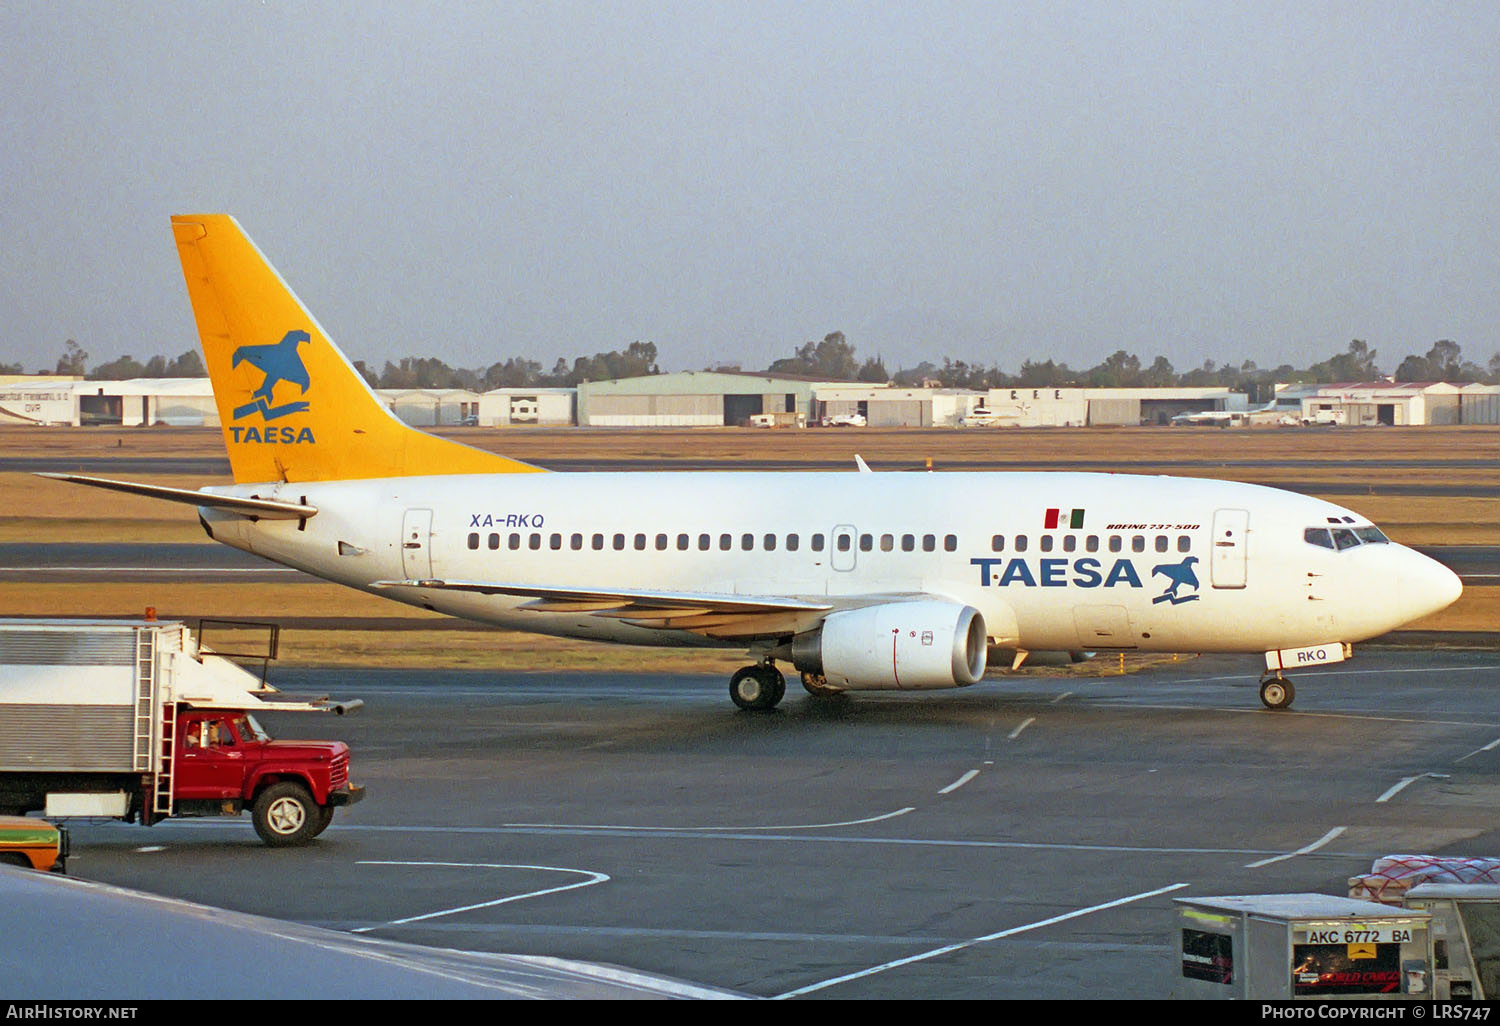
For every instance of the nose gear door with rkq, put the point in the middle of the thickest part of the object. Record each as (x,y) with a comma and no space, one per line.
(1230,537)
(416,544)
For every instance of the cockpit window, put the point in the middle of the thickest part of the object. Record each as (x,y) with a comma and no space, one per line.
(1343,538)
(1318,536)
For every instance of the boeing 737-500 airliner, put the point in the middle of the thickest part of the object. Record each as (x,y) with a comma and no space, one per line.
(868,581)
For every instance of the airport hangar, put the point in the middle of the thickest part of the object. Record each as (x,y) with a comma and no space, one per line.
(718,398)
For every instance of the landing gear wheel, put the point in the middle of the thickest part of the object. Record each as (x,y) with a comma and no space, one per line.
(1277,693)
(286,815)
(757,688)
(816,684)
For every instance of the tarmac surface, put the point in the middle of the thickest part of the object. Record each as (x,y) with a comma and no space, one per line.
(1024,838)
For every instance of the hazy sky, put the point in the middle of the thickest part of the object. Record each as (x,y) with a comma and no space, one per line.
(989,181)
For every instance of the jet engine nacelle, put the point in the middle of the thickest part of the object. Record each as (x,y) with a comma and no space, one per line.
(914,645)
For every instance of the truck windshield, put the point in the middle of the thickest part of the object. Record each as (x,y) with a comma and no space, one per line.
(249,730)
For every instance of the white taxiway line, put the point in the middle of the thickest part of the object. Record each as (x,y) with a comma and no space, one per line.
(1396,788)
(1487,748)
(147,570)
(1025,723)
(960,782)
(950,948)
(593,878)
(715,829)
(1325,839)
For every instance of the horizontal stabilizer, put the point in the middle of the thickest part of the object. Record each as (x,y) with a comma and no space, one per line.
(266,509)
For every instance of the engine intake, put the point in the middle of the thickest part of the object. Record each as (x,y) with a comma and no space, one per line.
(917,645)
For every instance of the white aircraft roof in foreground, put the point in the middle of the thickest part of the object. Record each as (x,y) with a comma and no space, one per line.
(194,952)
(860,581)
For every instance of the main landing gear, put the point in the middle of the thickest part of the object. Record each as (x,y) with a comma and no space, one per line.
(1276,692)
(757,688)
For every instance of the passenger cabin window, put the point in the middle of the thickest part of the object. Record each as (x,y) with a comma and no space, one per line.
(1161,543)
(769,543)
(598,542)
(494,541)
(534,542)
(705,542)
(843,542)
(515,540)
(619,542)
(1091,543)
(1138,543)
(555,541)
(661,543)
(817,543)
(929,543)
(866,542)
(682,542)
(950,543)
(1046,543)
(575,542)
(640,543)
(908,543)
(1184,543)
(1021,542)
(473,541)
(747,542)
(887,543)
(1116,543)
(726,542)
(792,542)
(1069,543)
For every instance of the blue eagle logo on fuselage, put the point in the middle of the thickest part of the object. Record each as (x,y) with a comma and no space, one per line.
(278,361)
(1178,574)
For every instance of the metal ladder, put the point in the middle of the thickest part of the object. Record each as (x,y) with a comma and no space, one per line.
(152,738)
(161,804)
(145,694)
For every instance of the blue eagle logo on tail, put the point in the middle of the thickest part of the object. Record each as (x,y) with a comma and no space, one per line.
(1178,574)
(278,361)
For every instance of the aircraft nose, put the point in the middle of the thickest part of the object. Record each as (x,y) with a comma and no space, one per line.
(1426,586)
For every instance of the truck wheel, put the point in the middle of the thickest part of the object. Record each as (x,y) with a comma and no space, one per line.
(325,816)
(286,815)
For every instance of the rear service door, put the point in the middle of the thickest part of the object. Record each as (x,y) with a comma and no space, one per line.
(416,544)
(1230,541)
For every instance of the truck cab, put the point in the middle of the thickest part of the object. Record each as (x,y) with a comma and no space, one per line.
(226,762)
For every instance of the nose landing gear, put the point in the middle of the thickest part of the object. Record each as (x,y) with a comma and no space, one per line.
(757,688)
(1276,692)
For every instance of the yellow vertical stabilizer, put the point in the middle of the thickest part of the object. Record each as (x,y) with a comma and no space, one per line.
(292,406)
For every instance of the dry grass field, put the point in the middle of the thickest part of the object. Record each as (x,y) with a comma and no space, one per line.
(1377,460)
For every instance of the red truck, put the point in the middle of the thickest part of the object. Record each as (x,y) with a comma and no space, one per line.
(137,720)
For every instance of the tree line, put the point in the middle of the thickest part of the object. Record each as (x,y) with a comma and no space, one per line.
(833,358)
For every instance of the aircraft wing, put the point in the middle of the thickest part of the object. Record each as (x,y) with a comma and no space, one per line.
(715,615)
(264,509)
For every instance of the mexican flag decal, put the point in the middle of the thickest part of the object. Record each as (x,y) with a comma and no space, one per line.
(1068,519)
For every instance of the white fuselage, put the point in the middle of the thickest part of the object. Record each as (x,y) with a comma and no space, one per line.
(1153,563)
